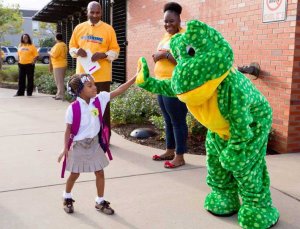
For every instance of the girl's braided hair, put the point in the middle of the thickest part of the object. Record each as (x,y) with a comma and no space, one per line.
(75,84)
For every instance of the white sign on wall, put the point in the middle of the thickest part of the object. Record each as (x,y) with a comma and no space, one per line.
(274,10)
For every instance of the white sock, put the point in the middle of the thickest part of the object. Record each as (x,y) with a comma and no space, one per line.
(99,199)
(67,195)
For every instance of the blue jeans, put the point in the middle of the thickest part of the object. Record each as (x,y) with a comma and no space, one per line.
(174,112)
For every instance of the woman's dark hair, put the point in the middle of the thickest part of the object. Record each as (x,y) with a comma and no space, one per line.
(29,39)
(174,7)
(59,36)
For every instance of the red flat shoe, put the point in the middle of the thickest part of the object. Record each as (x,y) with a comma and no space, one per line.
(162,158)
(169,165)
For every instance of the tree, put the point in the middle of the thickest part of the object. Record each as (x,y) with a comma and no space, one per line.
(47,42)
(10,21)
(45,34)
(49,28)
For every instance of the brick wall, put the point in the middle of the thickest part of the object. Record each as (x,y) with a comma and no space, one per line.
(272,45)
(294,124)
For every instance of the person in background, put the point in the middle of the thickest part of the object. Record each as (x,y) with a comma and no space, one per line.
(174,111)
(28,56)
(58,65)
(100,39)
(2,56)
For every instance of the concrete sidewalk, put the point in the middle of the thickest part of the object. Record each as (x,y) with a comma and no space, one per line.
(143,193)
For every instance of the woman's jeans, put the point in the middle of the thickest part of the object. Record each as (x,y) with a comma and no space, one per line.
(174,112)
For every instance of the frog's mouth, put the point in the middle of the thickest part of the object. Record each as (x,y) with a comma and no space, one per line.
(201,94)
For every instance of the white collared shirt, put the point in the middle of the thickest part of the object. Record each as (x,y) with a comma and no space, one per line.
(89,123)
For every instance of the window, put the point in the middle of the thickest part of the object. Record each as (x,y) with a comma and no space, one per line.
(4,50)
(13,49)
(43,50)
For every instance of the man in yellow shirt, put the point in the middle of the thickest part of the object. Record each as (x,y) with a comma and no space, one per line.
(100,39)
(58,63)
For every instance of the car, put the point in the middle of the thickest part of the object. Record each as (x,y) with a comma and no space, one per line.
(10,54)
(43,54)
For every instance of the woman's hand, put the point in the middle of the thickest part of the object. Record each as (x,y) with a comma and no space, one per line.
(159,55)
(50,67)
(64,153)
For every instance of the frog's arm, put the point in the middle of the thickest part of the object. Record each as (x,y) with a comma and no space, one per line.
(145,81)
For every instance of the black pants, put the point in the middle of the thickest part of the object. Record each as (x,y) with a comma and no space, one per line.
(26,70)
(105,86)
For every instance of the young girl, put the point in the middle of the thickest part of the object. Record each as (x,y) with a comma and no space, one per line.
(86,155)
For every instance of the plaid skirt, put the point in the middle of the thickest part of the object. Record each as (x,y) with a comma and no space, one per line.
(86,156)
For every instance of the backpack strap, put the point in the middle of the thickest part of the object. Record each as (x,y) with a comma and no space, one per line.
(74,130)
(104,131)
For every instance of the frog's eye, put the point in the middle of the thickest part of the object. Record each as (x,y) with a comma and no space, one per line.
(190,50)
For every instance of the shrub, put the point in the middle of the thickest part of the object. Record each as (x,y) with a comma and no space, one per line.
(46,84)
(159,123)
(194,127)
(139,106)
(134,106)
(9,73)
(40,70)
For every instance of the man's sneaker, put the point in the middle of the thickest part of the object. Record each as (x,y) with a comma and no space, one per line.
(68,205)
(105,208)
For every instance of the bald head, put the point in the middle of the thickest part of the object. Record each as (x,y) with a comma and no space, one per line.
(93,4)
(94,12)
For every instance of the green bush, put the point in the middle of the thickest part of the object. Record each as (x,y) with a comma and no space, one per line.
(40,70)
(46,84)
(134,106)
(159,123)
(9,73)
(139,106)
(194,127)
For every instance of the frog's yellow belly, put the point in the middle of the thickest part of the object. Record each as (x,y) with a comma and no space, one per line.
(202,102)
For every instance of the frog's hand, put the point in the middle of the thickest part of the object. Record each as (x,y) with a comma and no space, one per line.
(145,81)
(143,71)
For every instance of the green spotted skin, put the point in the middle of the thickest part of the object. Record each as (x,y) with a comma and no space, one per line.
(236,167)
(213,57)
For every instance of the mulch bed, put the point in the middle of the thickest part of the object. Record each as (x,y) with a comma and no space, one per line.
(196,145)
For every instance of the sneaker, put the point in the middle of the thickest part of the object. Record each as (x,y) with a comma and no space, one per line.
(68,205)
(105,208)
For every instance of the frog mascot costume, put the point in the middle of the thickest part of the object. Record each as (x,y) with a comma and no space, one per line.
(238,118)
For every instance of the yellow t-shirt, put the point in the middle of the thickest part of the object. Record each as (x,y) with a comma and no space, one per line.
(27,53)
(98,38)
(163,68)
(58,55)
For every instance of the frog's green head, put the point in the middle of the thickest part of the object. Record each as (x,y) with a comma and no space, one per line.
(202,54)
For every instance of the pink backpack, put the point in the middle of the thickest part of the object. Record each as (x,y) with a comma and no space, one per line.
(103,136)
